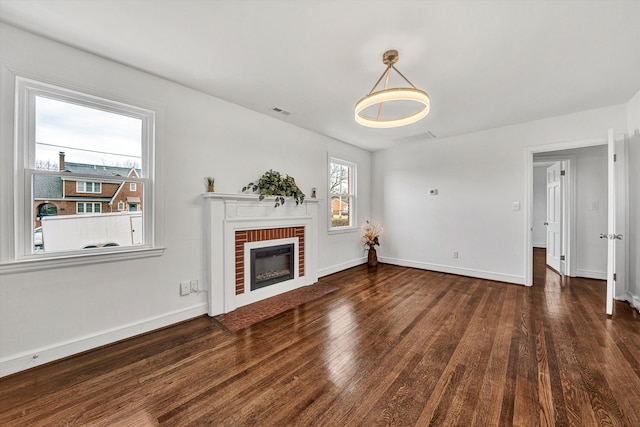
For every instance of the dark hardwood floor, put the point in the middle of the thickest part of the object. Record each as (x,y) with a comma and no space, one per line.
(394,346)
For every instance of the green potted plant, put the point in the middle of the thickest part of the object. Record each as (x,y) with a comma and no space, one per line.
(210,184)
(272,183)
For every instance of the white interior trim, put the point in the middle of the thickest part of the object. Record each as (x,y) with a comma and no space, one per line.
(32,358)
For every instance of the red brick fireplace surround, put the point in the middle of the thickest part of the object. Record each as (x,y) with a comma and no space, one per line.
(247,236)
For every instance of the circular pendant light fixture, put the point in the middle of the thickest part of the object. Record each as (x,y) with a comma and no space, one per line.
(412,94)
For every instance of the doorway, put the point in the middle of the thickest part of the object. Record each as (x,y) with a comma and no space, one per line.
(554,206)
(545,156)
(614,204)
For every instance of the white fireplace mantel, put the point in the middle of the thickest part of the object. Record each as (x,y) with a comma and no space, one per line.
(227,213)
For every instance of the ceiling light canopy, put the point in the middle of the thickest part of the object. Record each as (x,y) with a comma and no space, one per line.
(411,94)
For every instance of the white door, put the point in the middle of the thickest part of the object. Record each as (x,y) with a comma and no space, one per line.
(554,216)
(616,254)
(136,230)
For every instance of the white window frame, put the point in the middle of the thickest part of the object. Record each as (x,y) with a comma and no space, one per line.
(120,206)
(132,186)
(352,195)
(84,207)
(81,187)
(24,258)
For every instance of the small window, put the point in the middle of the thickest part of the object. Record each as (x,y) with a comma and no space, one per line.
(342,194)
(88,187)
(88,207)
(132,186)
(120,206)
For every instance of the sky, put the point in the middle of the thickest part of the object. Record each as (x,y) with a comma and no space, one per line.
(86,135)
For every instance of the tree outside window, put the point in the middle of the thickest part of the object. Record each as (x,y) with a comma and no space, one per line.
(342,194)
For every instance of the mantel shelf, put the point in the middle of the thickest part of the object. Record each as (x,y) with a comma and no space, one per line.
(249,197)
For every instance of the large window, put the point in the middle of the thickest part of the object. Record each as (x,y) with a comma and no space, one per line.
(342,194)
(71,144)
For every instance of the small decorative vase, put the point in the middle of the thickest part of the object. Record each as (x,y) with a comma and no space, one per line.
(211,189)
(372,261)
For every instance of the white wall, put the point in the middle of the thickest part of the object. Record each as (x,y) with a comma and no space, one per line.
(479,176)
(591,211)
(57,312)
(539,232)
(633,130)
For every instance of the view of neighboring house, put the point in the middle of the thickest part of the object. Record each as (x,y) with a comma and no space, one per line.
(67,195)
(339,207)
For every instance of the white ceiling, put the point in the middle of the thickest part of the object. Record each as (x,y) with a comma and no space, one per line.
(484,64)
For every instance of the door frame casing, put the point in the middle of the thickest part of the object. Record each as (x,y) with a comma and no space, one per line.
(529,161)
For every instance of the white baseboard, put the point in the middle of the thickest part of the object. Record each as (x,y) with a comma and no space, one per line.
(633,300)
(542,245)
(490,275)
(599,275)
(339,267)
(36,357)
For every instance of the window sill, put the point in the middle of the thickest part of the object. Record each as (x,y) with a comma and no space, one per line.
(342,230)
(61,261)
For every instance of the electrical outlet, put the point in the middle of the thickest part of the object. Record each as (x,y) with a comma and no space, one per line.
(455,254)
(194,285)
(185,288)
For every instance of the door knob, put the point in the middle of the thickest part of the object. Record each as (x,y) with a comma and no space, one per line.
(604,236)
(617,236)
(546,223)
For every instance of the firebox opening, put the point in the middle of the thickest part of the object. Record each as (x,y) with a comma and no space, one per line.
(271,265)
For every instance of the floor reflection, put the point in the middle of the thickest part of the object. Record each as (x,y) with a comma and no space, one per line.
(339,353)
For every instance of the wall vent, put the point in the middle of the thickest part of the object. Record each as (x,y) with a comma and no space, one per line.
(280,111)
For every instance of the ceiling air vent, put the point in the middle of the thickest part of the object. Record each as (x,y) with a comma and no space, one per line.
(415,138)
(280,111)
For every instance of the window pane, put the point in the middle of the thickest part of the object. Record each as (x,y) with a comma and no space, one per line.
(340,212)
(341,191)
(88,136)
(339,183)
(68,225)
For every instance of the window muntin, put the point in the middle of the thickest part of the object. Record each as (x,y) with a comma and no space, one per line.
(98,140)
(342,194)
(132,186)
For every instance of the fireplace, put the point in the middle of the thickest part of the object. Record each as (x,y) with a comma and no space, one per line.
(271,265)
(237,224)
